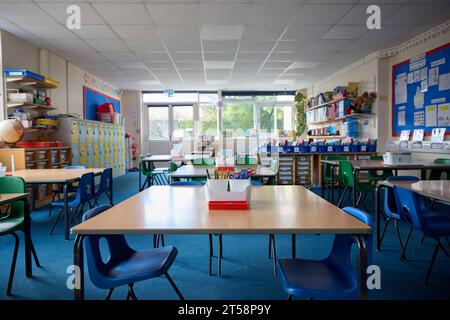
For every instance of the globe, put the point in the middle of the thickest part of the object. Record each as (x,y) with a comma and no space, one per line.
(11,131)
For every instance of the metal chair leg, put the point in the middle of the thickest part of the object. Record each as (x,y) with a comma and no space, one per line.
(56,222)
(274,255)
(403,256)
(384,230)
(211,253)
(289,297)
(433,258)
(270,246)
(399,237)
(108,296)
(174,286)
(13,264)
(219,257)
(341,199)
(131,293)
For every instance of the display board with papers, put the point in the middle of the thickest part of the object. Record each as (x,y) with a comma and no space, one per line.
(421,92)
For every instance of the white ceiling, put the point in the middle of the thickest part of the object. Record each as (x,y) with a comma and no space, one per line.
(217,44)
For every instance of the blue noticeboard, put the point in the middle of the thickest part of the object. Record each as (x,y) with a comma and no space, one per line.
(421,92)
(92,98)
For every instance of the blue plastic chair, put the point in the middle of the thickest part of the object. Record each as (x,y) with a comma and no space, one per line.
(71,188)
(256,183)
(413,210)
(85,194)
(125,266)
(390,207)
(106,186)
(330,278)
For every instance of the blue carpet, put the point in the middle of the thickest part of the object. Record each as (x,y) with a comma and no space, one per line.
(247,271)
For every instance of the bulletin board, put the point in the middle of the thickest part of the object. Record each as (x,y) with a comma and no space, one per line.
(93,98)
(421,92)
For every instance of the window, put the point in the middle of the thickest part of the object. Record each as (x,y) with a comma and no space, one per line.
(158,123)
(183,121)
(238,116)
(208,119)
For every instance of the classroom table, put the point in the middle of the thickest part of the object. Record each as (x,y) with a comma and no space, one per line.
(366,165)
(8,198)
(435,189)
(190,171)
(62,177)
(273,210)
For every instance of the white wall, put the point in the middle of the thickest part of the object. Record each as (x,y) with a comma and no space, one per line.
(131,111)
(18,54)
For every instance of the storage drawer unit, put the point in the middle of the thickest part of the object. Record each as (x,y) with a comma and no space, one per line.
(286,170)
(303,169)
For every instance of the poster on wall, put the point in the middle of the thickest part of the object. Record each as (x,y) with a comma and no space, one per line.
(97,92)
(421,92)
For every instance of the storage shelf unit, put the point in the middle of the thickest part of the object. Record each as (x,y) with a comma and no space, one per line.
(94,144)
(327,104)
(46,158)
(354,115)
(29,105)
(26,81)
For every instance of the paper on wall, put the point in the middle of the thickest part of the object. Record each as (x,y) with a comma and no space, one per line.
(423,73)
(417,76)
(444,115)
(433,76)
(400,89)
(431,116)
(419,99)
(424,86)
(419,118)
(401,118)
(444,82)
(410,77)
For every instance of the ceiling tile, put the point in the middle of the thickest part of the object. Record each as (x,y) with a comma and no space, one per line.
(419,14)
(219,56)
(262,32)
(366,44)
(316,55)
(283,56)
(131,65)
(117,56)
(90,32)
(220,45)
(252,56)
(123,13)
(305,64)
(70,45)
(325,45)
(277,64)
(143,46)
(279,14)
(305,32)
(58,11)
(387,32)
(218,64)
(345,32)
(56,32)
(136,32)
(153,56)
(189,64)
(187,56)
(179,32)
(223,13)
(108,45)
(158,65)
(321,13)
(185,46)
(239,65)
(249,45)
(179,13)
(221,32)
(25,13)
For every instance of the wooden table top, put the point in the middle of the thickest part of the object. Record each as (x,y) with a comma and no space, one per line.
(190,171)
(184,210)
(379,165)
(11,197)
(436,189)
(54,175)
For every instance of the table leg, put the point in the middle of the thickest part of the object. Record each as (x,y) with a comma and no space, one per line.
(423,174)
(66,212)
(111,193)
(378,216)
(362,266)
(294,246)
(140,178)
(355,183)
(78,260)
(27,231)
(322,179)
(332,183)
(33,204)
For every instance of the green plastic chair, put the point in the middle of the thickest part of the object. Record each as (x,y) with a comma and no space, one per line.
(435,174)
(347,181)
(374,175)
(327,174)
(14,221)
(152,174)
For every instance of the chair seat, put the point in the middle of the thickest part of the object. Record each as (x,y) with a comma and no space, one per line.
(256,183)
(315,279)
(141,265)
(10,225)
(72,203)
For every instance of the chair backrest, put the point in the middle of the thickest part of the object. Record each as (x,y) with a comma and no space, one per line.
(13,185)
(117,247)
(106,181)
(204,161)
(411,207)
(86,189)
(390,202)
(74,167)
(327,171)
(346,172)
(172,166)
(341,251)
(436,174)
(186,183)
